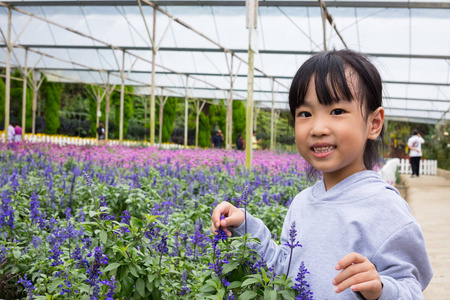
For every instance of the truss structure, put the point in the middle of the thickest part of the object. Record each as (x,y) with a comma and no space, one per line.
(199,49)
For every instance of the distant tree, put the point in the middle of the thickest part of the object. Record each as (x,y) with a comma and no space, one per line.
(128,109)
(51,95)
(239,119)
(93,108)
(204,131)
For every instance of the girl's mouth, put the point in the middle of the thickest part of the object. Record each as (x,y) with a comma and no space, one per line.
(323,149)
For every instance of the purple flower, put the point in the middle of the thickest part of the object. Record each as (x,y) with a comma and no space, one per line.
(292,244)
(111,287)
(56,252)
(126,217)
(28,286)
(301,285)
(35,215)
(184,288)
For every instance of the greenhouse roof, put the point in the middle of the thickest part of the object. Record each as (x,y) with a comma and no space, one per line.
(199,43)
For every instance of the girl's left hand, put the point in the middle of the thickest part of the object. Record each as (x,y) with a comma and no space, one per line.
(359,274)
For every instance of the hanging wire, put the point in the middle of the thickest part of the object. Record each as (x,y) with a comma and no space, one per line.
(93,43)
(309,28)
(357,30)
(298,27)
(124,15)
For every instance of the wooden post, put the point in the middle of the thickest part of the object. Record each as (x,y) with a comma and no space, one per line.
(107,104)
(35,90)
(272,115)
(229,118)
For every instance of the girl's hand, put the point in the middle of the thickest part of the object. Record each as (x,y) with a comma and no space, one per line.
(359,274)
(234,217)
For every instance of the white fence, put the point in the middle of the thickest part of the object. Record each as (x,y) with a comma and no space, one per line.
(64,140)
(427,167)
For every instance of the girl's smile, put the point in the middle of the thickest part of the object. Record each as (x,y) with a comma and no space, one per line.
(332,138)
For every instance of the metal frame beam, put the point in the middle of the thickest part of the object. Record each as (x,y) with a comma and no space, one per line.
(183,49)
(372,4)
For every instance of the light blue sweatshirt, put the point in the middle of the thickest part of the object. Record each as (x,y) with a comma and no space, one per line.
(362,214)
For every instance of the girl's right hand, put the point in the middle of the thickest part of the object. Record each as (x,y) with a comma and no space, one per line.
(234,217)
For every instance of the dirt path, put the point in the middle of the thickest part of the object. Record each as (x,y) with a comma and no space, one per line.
(429,199)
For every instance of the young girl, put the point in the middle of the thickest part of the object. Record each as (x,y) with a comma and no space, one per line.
(359,238)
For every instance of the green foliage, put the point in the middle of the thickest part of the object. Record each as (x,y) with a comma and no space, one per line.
(2,99)
(217,116)
(169,114)
(51,95)
(128,110)
(437,145)
(92,100)
(239,119)
(204,131)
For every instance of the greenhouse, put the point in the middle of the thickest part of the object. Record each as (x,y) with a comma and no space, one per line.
(126,123)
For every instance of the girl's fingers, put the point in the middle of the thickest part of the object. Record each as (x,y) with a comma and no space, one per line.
(349,272)
(356,279)
(351,258)
(221,209)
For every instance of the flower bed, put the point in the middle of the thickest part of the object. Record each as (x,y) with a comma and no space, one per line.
(133,223)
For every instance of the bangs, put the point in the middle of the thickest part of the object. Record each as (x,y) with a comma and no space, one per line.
(330,80)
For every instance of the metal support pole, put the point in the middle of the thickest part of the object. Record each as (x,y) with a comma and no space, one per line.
(186,114)
(272,115)
(229,118)
(8,74)
(152,100)
(198,109)
(107,104)
(122,92)
(252,12)
(34,108)
(24,95)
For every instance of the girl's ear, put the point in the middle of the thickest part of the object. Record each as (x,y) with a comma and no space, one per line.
(376,120)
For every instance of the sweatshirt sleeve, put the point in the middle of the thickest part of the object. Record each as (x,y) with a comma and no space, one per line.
(274,254)
(403,264)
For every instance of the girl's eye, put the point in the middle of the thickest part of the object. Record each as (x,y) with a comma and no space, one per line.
(304,114)
(337,111)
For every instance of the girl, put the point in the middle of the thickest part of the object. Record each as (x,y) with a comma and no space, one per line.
(359,238)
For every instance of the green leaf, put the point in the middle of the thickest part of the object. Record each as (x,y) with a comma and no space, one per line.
(111,266)
(230,267)
(233,285)
(55,284)
(270,294)
(288,294)
(151,277)
(207,289)
(135,222)
(251,281)
(92,213)
(17,254)
(103,236)
(133,271)
(140,287)
(248,295)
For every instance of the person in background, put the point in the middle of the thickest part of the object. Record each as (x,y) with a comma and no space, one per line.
(255,142)
(18,134)
(11,133)
(415,152)
(240,142)
(217,139)
(101,133)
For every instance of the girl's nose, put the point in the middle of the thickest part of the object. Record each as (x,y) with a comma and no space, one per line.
(320,127)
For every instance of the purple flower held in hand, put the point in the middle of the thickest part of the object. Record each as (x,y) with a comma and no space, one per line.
(301,285)
(292,244)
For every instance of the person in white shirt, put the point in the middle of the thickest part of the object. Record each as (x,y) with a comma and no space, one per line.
(415,152)
(11,133)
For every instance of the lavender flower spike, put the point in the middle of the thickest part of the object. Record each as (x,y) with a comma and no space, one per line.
(292,244)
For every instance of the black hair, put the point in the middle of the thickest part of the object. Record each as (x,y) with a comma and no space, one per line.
(415,131)
(329,72)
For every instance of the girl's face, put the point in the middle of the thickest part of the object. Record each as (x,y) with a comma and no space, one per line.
(332,138)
